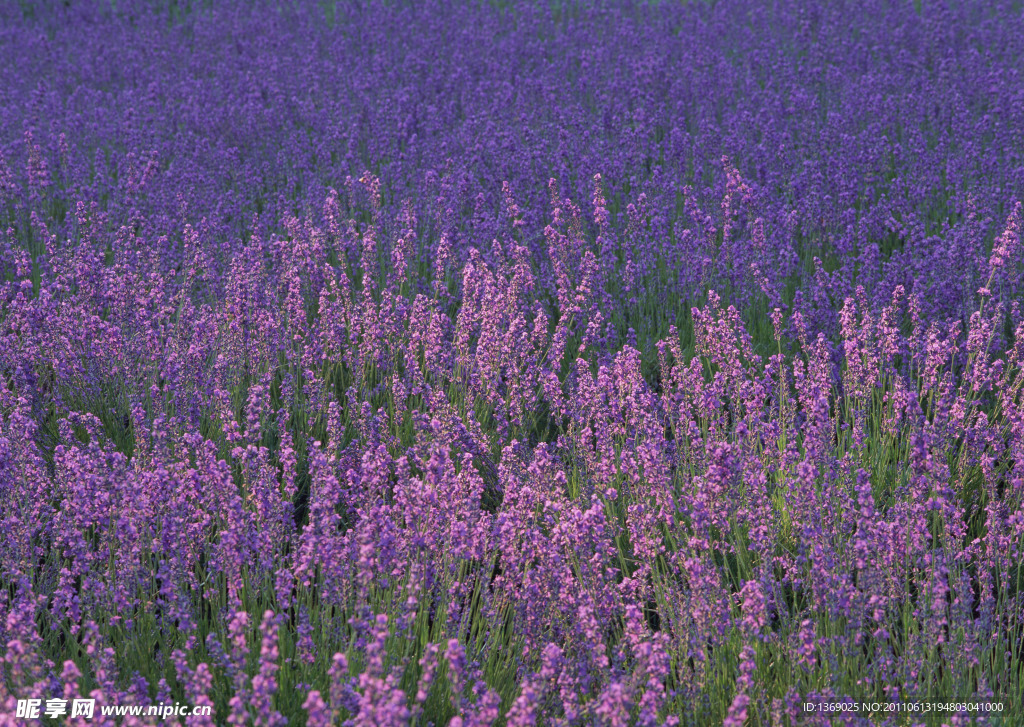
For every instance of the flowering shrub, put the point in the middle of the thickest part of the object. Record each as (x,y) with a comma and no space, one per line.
(528,364)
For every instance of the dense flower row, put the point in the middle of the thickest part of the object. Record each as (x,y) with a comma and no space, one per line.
(512,364)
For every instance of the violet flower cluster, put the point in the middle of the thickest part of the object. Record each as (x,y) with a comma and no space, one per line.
(546,363)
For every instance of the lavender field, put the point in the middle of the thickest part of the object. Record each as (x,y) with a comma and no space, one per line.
(513,363)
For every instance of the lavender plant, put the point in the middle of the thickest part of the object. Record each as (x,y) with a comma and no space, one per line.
(382,363)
